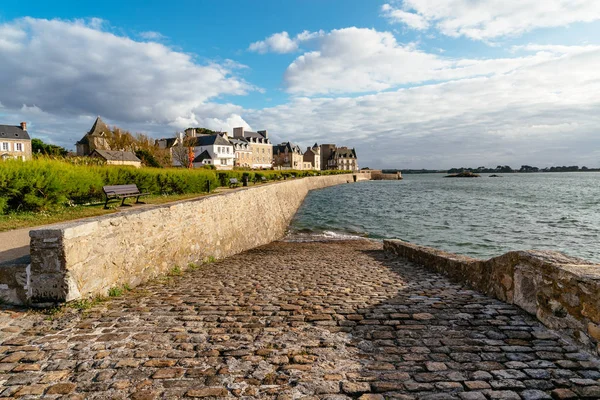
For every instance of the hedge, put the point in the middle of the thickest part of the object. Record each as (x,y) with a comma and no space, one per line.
(46,184)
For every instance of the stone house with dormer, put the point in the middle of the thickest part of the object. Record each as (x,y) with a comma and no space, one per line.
(288,156)
(15,142)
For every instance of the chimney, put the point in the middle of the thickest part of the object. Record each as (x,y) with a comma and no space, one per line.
(238,132)
(264,133)
(24,126)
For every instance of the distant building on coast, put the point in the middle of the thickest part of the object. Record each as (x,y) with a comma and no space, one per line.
(312,158)
(15,142)
(342,158)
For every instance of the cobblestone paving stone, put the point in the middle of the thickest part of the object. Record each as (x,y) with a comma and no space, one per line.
(333,320)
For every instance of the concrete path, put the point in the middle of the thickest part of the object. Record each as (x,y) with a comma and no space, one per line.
(334,320)
(14,244)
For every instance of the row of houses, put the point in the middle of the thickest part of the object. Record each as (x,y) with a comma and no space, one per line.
(199,148)
(253,150)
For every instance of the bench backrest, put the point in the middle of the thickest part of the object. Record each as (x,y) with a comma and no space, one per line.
(233,180)
(121,189)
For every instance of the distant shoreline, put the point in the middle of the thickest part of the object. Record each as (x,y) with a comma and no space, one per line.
(409,171)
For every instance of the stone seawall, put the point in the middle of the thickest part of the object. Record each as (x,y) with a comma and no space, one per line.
(562,292)
(85,258)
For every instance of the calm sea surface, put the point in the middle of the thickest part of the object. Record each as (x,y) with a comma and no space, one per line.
(480,217)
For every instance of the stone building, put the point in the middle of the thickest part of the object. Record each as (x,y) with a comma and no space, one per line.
(343,158)
(113,157)
(15,142)
(312,158)
(96,138)
(333,157)
(243,153)
(260,146)
(288,156)
(326,152)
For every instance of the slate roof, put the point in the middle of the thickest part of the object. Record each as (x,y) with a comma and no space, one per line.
(113,155)
(98,129)
(343,152)
(210,140)
(292,148)
(13,132)
(205,155)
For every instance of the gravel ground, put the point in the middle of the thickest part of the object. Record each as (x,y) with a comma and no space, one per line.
(316,320)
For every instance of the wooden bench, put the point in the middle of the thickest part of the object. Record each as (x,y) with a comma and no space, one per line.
(233,182)
(262,179)
(122,192)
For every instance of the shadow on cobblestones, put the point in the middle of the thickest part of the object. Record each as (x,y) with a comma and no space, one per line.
(332,320)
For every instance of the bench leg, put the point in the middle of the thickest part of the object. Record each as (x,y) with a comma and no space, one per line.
(123,202)
(137,200)
(106,204)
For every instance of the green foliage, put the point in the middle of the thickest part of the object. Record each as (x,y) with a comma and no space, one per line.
(49,184)
(38,147)
(147,158)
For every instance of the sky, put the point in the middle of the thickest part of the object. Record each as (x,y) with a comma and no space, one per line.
(409,84)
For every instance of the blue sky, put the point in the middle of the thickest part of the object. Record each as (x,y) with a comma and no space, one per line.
(410,84)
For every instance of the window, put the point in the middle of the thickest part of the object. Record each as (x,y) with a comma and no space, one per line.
(5,146)
(223,161)
(18,146)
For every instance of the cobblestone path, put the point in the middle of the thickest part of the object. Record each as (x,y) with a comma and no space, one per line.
(332,320)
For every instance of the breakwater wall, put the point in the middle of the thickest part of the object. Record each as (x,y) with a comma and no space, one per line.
(88,257)
(562,292)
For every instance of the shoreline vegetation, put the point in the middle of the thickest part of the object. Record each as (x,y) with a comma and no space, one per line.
(48,190)
(499,169)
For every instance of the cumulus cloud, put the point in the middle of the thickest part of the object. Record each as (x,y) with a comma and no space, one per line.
(282,42)
(354,60)
(490,19)
(543,113)
(73,68)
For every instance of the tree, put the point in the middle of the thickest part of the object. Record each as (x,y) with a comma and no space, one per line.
(41,148)
(120,140)
(180,151)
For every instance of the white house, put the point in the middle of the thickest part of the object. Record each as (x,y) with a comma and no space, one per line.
(214,150)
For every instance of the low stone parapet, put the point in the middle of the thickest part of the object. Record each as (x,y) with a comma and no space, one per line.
(88,257)
(562,292)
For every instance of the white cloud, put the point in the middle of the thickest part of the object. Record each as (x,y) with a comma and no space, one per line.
(354,60)
(151,35)
(282,42)
(544,112)
(73,69)
(491,19)
(412,20)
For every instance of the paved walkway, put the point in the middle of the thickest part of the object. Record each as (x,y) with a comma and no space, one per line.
(332,320)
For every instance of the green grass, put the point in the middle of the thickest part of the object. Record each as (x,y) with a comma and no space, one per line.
(175,271)
(28,219)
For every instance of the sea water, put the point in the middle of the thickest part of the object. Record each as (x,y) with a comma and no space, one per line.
(480,217)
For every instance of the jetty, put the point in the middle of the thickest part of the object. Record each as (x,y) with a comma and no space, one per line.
(344,320)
